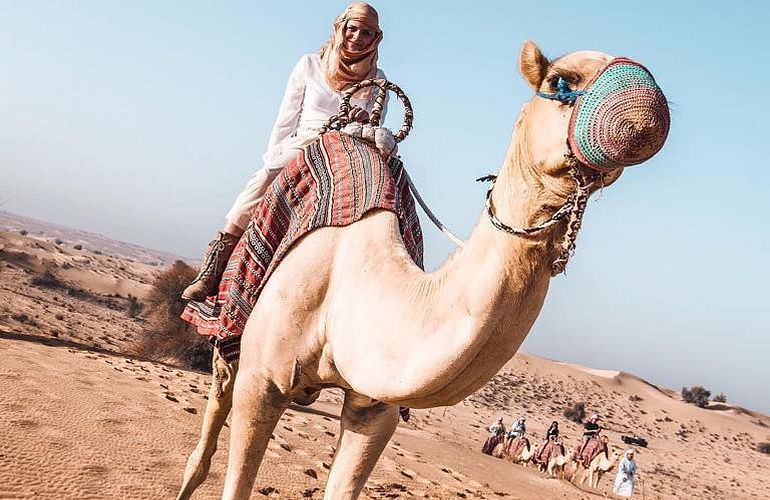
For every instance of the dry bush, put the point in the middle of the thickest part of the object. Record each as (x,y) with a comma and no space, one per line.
(24,232)
(47,280)
(696,395)
(576,412)
(167,336)
(23,318)
(720,398)
(764,448)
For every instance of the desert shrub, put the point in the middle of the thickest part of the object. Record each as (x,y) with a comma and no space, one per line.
(764,448)
(78,247)
(576,412)
(24,232)
(47,280)
(634,398)
(719,398)
(134,307)
(23,318)
(166,335)
(696,395)
(58,241)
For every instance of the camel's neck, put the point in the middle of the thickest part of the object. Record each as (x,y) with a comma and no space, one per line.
(494,287)
(449,331)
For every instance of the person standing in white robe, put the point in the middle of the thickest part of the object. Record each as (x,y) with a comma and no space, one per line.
(624,480)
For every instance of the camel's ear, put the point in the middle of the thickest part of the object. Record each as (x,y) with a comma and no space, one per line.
(533,64)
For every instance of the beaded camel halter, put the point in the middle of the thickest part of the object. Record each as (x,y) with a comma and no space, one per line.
(620,119)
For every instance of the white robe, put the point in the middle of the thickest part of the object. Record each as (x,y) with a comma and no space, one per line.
(627,471)
(307,104)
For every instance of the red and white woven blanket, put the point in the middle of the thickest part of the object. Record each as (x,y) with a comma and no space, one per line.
(333,181)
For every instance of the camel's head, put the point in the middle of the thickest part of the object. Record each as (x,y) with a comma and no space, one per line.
(608,112)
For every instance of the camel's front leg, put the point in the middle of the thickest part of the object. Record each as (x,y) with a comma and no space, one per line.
(365,429)
(217,408)
(258,404)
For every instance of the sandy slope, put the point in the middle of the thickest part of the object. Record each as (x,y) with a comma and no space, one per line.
(81,418)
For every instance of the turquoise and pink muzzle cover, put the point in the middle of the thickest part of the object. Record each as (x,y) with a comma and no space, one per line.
(621,119)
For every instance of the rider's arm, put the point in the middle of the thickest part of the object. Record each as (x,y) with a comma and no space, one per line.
(291,106)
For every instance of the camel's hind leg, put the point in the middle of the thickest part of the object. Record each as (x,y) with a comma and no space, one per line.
(365,429)
(220,400)
(258,403)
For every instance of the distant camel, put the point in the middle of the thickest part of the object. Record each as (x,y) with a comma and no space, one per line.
(520,451)
(557,461)
(598,466)
(545,451)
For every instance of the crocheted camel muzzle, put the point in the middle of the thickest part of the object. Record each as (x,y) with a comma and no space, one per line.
(621,119)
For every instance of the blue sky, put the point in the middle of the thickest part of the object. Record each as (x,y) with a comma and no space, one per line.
(142,120)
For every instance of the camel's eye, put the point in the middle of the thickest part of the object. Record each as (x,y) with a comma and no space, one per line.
(553,82)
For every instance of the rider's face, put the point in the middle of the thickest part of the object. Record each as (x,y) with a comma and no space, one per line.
(358,35)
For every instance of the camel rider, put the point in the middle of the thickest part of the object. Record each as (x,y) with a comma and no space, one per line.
(553,431)
(313,94)
(591,430)
(518,429)
(497,428)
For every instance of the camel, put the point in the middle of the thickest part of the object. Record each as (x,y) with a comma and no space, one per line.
(526,453)
(517,450)
(492,444)
(366,319)
(556,464)
(598,466)
(504,448)
(551,455)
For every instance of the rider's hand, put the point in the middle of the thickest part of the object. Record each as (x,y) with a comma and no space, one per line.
(358,114)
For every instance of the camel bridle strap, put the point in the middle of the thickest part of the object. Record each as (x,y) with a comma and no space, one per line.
(573,209)
(522,231)
(563,94)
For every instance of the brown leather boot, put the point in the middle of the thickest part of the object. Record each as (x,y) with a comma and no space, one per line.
(214,263)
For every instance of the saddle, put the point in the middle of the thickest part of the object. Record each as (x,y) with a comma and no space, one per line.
(593,447)
(550,449)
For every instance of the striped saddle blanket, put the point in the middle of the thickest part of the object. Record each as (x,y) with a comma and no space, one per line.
(333,181)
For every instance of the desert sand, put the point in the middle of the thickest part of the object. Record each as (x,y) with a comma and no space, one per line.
(81,416)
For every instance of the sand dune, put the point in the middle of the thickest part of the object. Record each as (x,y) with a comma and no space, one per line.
(81,417)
